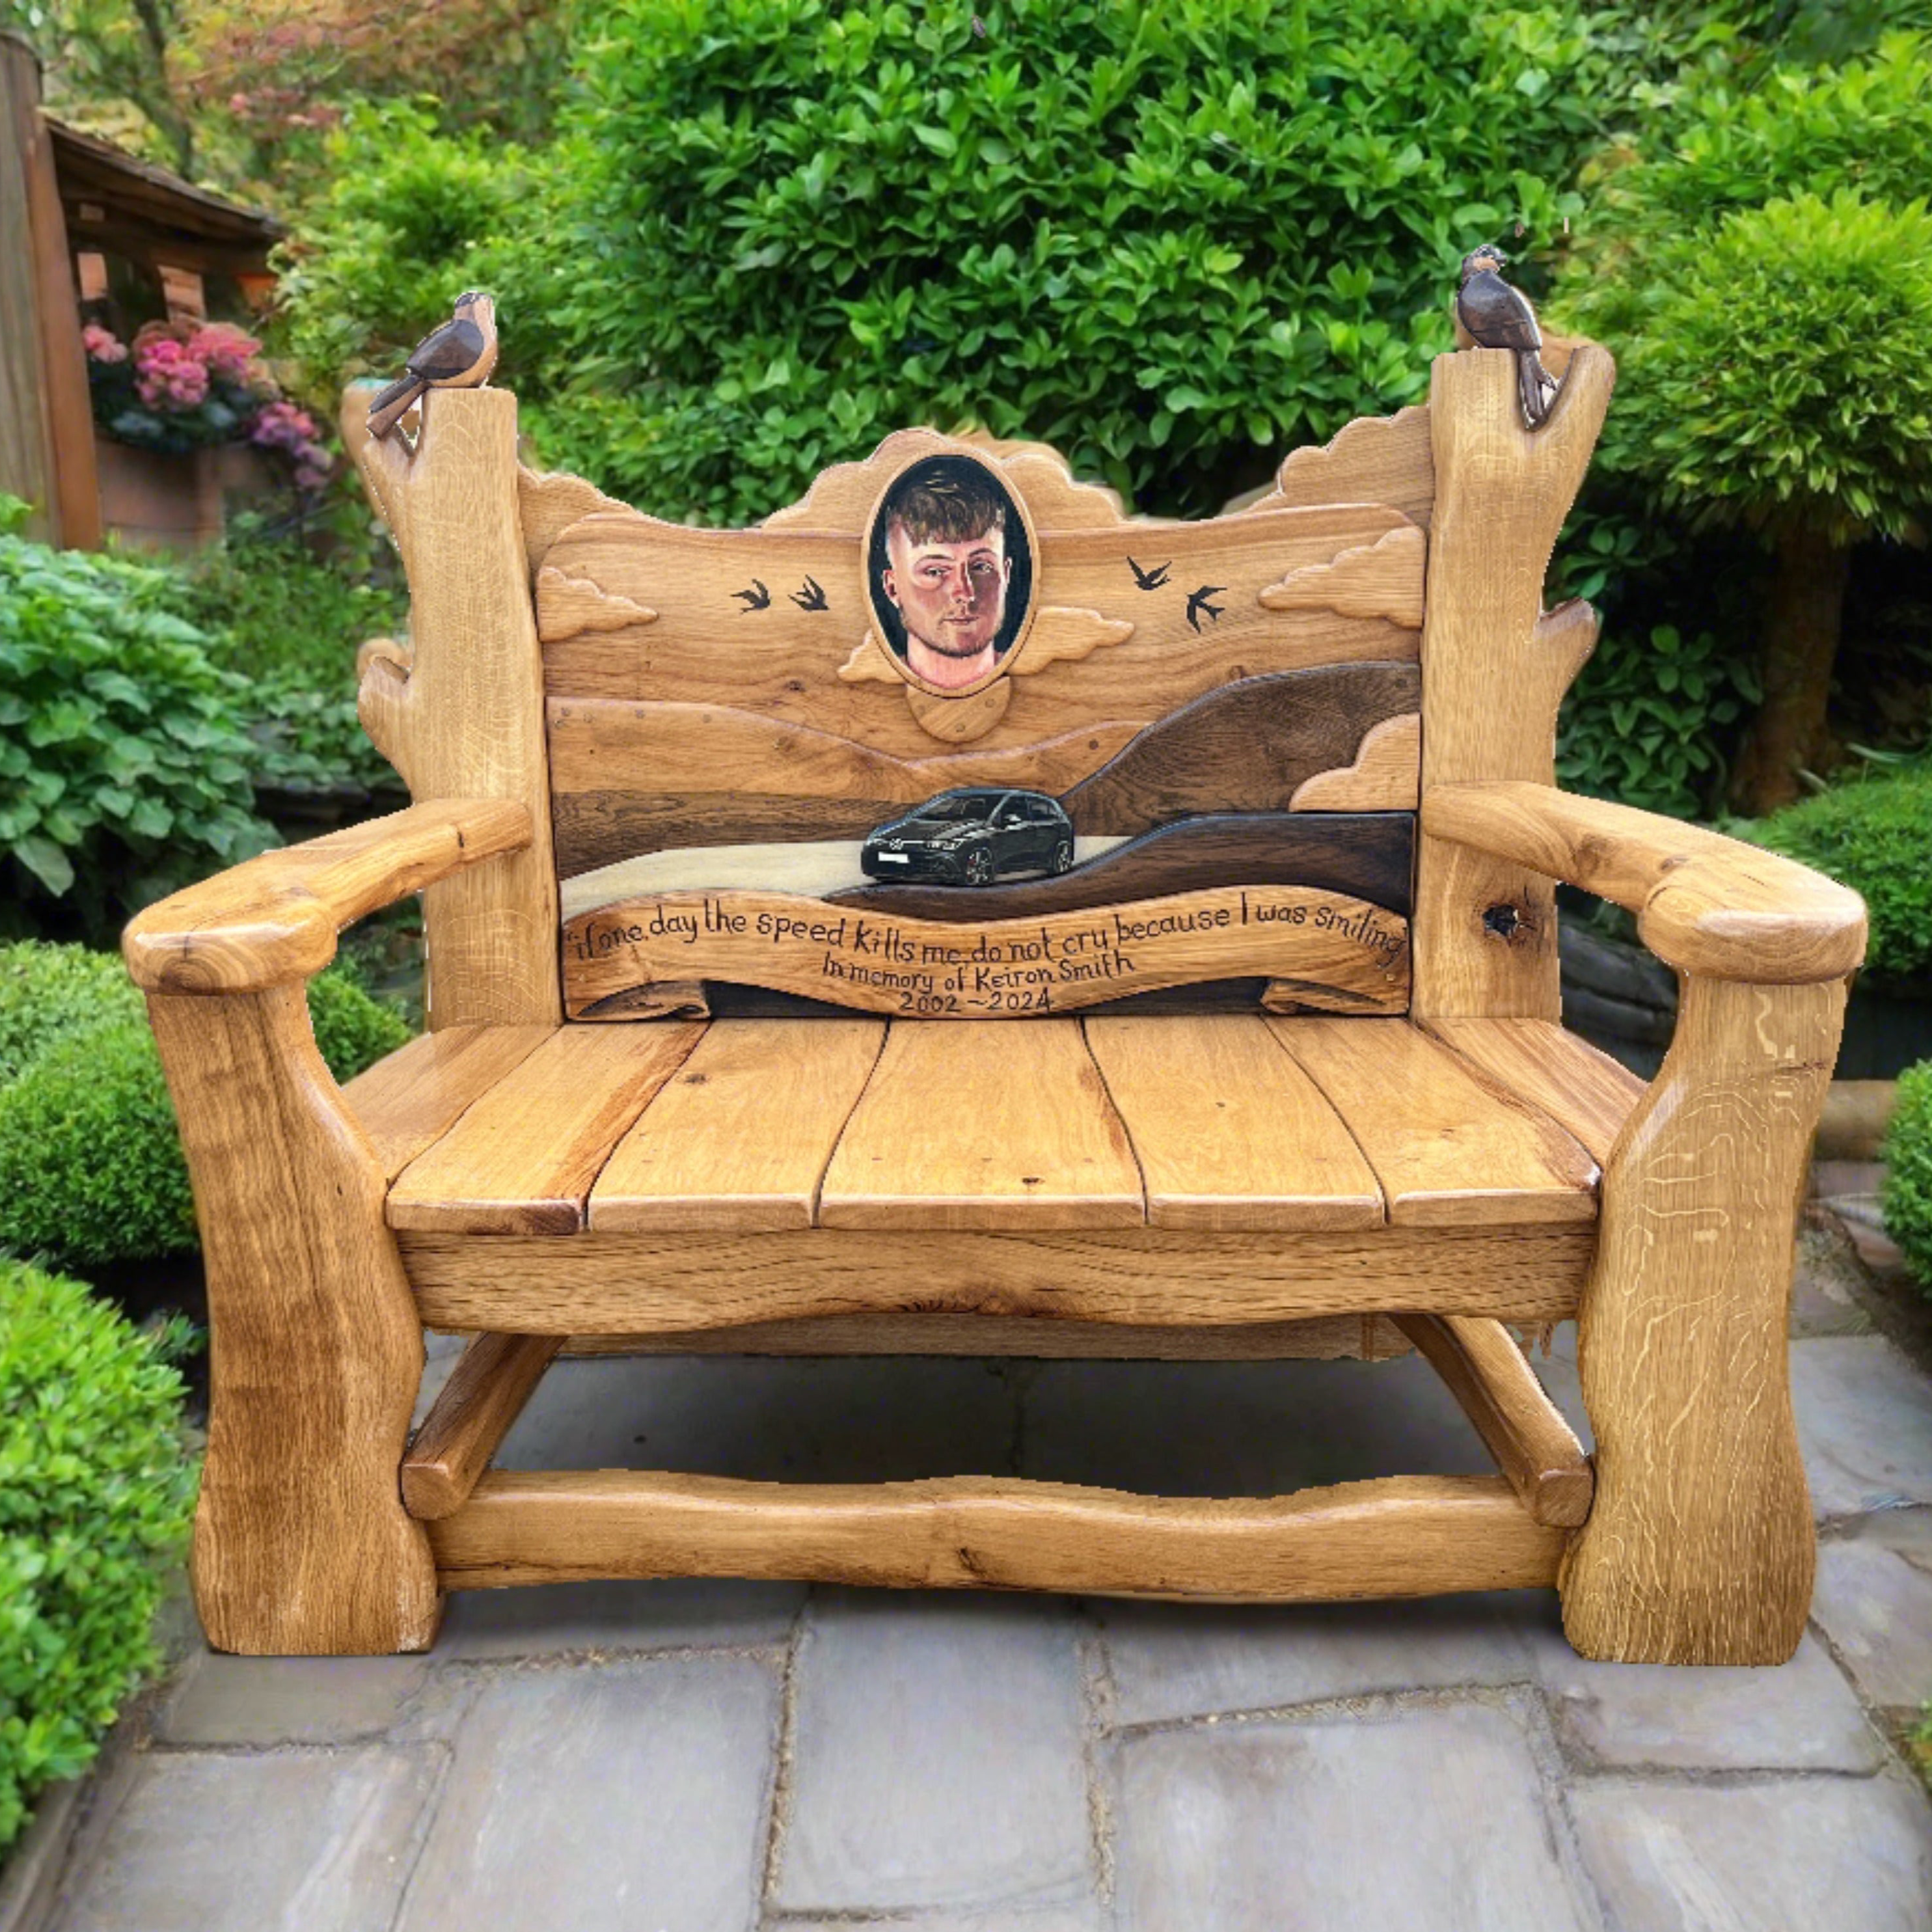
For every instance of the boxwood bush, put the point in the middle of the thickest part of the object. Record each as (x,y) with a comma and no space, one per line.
(96,1489)
(94,1165)
(1907,1196)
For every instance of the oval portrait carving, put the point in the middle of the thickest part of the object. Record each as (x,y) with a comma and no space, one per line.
(949,557)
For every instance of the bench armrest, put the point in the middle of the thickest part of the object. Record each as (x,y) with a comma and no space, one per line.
(1704,904)
(273,920)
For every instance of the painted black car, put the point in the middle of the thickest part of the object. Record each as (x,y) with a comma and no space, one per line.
(970,837)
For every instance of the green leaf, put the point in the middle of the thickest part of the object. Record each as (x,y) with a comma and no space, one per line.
(46,861)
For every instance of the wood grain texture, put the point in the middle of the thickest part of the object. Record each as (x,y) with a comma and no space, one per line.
(302,1544)
(1144,1277)
(1536,1449)
(1401,1536)
(1247,747)
(1383,579)
(976,1125)
(1228,1131)
(522,1160)
(1374,459)
(1584,1091)
(1700,1548)
(1366,855)
(784,662)
(1495,675)
(1448,1150)
(1340,953)
(740,1136)
(548,502)
(466,1426)
(413,1096)
(467,721)
(1704,904)
(273,920)
(568,606)
(1327,1338)
(1385,775)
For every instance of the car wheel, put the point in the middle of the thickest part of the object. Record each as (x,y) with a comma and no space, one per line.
(980,867)
(1062,857)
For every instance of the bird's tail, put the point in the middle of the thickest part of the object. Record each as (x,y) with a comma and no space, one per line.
(388,406)
(1535,386)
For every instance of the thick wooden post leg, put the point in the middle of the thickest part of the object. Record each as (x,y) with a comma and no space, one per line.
(301,1543)
(1699,1547)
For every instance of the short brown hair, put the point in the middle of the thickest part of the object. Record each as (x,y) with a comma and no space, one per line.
(946,502)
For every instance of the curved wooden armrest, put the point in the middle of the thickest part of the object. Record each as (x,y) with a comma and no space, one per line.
(273,920)
(1704,904)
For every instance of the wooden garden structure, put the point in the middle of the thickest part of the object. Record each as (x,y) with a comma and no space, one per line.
(1264,1057)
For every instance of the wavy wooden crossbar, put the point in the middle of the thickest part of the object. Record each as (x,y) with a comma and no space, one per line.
(1663,1219)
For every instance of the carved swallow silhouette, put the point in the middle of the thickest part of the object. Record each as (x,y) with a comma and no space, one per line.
(756,598)
(1199,607)
(1150,579)
(811,598)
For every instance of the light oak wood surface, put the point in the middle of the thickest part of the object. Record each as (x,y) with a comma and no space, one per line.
(478,1407)
(1382,777)
(1375,460)
(1448,1150)
(740,1136)
(979,1125)
(1401,1536)
(274,919)
(1584,1091)
(522,1159)
(1704,904)
(411,1098)
(1229,1132)
(1139,1277)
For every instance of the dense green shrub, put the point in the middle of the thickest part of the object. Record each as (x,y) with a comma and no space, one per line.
(1907,1199)
(87,1131)
(96,1489)
(1642,725)
(1875,835)
(123,769)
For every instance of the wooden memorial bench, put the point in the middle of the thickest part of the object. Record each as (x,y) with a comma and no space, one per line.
(955,916)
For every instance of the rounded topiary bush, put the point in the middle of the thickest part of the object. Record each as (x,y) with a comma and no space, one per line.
(96,1490)
(1876,836)
(94,1166)
(1907,1196)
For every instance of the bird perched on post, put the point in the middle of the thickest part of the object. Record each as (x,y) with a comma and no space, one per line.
(459,356)
(1495,316)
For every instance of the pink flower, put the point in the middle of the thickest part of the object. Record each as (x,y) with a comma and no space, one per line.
(282,426)
(102,345)
(226,350)
(170,379)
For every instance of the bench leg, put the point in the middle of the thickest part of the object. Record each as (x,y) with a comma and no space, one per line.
(301,1543)
(1699,1547)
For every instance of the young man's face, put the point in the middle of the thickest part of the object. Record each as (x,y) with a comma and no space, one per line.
(952,599)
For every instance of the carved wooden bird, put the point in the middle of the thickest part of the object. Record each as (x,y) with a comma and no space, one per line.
(459,356)
(1495,316)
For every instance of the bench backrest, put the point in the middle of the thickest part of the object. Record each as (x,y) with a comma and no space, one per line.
(1087,756)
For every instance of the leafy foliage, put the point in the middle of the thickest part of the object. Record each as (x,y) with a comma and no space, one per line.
(1643,724)
(1906,1198)
(87,1131)
(1875,835)
(124,770)
(96,1492)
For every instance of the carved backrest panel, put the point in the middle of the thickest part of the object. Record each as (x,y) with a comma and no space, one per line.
(953,736)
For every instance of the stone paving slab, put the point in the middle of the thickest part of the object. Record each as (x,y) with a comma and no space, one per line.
(612,1619)
(320,1841)
(1428,1819)
(630,1796)
(936,1757)
(1874,1602)
(1809,1854)
(1017,1918)
(1865,1421)
(302,1700)
(1799,1716)
(1171,1661)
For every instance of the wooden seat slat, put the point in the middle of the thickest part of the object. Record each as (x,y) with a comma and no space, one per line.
(1584,1091)
(411,1098)
(522,1159)
(984,1124)
(1230,1133)
(740,1136)
(1449,1150)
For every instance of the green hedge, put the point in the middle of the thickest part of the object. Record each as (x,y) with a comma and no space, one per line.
(96,1489)
(87,1131)
(1875,835)
(1907,1198)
